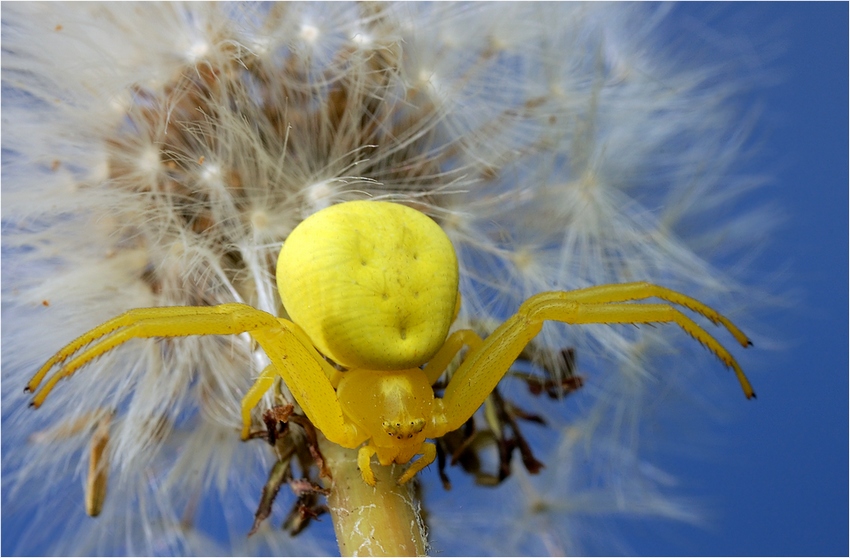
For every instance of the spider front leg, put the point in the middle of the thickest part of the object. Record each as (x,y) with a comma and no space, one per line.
(485,366)
(174,321)
(308,377)
(293,357)
(429,453)
(364,459)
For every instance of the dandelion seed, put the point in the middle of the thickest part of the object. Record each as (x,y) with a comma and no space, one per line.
(310,33)
(197,51)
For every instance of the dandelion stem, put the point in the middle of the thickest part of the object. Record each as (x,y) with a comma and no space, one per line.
(380,521)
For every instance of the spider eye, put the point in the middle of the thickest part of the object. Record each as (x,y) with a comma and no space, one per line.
(404,430)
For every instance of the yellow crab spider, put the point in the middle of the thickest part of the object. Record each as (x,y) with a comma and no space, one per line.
(373,287)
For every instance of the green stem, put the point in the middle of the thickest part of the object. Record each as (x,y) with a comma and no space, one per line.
(380,521)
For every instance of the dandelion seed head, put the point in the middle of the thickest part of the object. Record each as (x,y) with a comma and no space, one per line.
(159,154)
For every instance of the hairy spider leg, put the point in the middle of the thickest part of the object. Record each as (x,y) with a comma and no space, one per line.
(305,372)
(364,463)
(429,453)
(624,292)
(123,320)
(173,321)
(484,367)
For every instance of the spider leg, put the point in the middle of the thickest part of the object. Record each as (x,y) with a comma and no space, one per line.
(261,385)
(320,405)
(429,453)
(307,375)
(148,322)
(485,366)
(652,313)
(454,343)
(624,292)
(125,319)
(293,357)
(364,463)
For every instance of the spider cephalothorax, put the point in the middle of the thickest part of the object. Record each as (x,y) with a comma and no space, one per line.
(372,288)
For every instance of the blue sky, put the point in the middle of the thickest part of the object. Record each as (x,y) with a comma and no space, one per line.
(783,487)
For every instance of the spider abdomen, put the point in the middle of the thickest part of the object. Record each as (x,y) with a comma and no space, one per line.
(374,284)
